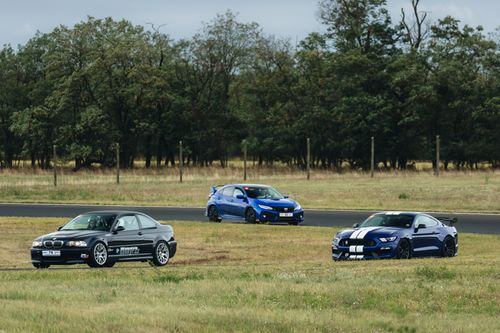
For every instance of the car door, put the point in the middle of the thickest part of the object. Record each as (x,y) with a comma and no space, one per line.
(425,236)
(238,206)
(127,242)
(149,229)
(226,200)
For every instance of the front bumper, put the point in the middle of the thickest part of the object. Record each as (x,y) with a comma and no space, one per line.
(172,247)
(360,252)
(274,216)
(68,256)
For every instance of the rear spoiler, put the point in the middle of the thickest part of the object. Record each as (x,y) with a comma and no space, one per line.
(213,189)
(450,220)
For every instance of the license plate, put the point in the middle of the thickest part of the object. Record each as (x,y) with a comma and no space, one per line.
(51,253)
(286,214)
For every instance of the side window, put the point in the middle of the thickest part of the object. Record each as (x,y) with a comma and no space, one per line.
(228,191)
(428,222)
(146,222)
(129,222)
(237,192)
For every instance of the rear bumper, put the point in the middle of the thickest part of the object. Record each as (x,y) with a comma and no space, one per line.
(66,257)
(379,251)
(274,216)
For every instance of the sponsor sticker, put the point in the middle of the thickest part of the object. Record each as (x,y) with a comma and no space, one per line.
(128,250)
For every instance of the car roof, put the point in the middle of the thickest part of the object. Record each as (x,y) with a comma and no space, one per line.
(116,212)
(399,213)
(248,185)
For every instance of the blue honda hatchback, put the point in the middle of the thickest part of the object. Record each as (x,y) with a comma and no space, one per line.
(252,203)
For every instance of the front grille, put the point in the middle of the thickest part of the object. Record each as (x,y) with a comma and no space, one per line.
(349,242)
(53,244)
(284,209)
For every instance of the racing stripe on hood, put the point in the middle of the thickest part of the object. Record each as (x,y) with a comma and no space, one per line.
(361,233)
(365,231)
(355,234)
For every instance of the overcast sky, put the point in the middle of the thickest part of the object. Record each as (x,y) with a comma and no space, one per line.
(20,19)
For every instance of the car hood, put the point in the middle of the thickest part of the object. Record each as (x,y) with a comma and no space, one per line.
(370,232)
(74,234)
(276,203)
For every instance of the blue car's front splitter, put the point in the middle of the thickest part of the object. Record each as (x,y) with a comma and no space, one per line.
(273,216)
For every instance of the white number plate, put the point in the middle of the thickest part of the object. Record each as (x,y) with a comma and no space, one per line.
(51,253)
(286,214)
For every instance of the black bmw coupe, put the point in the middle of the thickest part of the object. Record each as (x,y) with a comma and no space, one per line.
(100,239)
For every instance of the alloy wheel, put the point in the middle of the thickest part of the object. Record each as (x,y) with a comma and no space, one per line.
(162,253)
(404,250)
(449,248)
(100,254)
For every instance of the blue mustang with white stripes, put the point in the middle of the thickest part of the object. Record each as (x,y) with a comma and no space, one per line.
(400,235)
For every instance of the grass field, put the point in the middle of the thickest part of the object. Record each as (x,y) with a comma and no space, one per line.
(452,191)
(249,278)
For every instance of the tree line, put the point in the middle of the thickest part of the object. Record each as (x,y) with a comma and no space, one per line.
(101,82)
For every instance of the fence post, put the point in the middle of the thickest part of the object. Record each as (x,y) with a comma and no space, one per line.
(181,161)
(117,163)
(55,164)
(308,159)
(372,162)
(437,156)
(245,159)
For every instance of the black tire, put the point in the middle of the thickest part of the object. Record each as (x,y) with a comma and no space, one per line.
(403,250)
(161,254)
(250,216)
(39,265)
(110,263)
(213,214)
(99,255)
(449,247)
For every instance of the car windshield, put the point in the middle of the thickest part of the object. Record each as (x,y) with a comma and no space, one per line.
(101,222)
(256,192)
(383,220)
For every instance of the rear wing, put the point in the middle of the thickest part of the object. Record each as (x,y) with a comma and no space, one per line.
(449,220)
(213,189)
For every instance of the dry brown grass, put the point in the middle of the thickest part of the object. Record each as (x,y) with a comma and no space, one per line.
(452,191)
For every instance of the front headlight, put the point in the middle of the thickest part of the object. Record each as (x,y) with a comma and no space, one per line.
(76,243)
(336,241)
(387,239)
(266,207)
(37,243)
(298,207)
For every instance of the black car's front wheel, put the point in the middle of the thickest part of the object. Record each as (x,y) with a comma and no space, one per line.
(99,255)
(39,265)
(403,250)
(449,247)
(250,216)
(161,254)
(213,214)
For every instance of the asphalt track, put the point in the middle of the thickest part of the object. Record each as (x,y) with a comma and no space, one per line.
(473,223)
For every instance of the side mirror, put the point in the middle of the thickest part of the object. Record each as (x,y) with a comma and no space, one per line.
(355,225)
(241,197)
(119,228)
(59,228)
(286,196)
